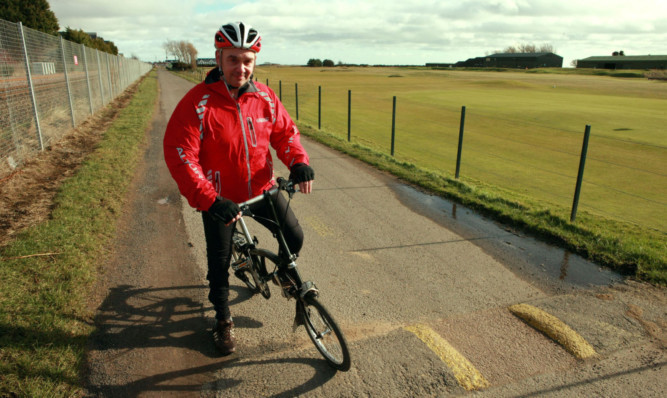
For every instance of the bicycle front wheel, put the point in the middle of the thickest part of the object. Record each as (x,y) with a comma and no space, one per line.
(325,333)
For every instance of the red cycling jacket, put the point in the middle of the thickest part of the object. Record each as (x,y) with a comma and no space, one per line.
(215,145)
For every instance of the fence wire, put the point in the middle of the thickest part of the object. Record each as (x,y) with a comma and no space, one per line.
(48,86)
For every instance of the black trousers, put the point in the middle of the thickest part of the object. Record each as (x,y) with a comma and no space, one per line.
(219,247)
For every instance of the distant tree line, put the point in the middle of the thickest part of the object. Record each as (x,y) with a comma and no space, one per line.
(317,63)
(81,37)
(37,14)
(34,14)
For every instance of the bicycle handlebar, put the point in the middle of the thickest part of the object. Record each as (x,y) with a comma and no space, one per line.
(283,185)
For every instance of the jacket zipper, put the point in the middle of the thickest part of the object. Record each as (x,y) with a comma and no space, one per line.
(247,154)
(253,136)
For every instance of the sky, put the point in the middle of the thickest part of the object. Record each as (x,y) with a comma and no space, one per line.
(377,32)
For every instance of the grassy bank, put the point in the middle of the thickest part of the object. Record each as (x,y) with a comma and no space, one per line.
(48,271)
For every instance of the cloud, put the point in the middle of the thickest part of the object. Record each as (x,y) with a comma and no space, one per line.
(377,31)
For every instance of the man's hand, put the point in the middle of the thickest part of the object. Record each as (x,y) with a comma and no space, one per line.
(225,210)
(304,175)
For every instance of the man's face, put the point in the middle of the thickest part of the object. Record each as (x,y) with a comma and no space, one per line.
(237,65)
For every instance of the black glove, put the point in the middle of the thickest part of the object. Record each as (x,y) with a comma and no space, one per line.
(224,210)
(301,172)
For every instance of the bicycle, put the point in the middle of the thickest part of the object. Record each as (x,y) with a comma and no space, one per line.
(249,263)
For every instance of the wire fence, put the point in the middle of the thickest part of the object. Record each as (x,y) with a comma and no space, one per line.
(48,86)
(623,180)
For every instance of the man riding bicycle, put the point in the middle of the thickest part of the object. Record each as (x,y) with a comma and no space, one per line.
(216,147)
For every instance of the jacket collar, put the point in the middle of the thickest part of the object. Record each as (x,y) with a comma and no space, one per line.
(214,76)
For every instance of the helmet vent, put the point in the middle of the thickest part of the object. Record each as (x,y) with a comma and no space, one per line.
(231,33)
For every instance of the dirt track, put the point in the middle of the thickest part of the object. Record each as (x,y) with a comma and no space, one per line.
(152,329)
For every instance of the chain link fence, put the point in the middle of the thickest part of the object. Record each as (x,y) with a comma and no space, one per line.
(48,86)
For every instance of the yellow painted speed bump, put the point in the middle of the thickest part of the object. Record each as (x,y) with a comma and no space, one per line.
(464,371)
(554,328)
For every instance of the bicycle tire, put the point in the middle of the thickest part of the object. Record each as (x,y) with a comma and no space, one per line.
(325,333)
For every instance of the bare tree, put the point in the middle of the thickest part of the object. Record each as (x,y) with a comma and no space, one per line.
(527,48)
(546,48)
(184,52)
(192,52)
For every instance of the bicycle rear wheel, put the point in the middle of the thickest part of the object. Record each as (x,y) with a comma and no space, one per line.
(325,333)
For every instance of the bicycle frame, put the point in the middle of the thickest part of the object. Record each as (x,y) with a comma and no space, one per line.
(287,258)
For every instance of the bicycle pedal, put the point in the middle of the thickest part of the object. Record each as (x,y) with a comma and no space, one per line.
(309,288)
(240,265)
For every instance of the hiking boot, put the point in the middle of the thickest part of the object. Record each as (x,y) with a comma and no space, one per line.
(223,336)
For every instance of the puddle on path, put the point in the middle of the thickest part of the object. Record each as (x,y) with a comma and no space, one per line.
(550,266)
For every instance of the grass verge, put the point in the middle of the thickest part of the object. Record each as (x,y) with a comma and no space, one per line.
(48,271)
(623,247)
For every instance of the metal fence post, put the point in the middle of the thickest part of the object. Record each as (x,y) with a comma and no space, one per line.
(393,126)
(109,76)
(32,88)
(319,107)
(69,90)
(90,92)
(458,154)
(296,99)
(99,74)
(580,175)
(119,88)
(280,90)
(349,115)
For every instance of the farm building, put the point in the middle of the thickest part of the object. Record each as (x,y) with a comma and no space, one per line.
(624,62)
(477,62)
(206,62)
(525,60)
(514,60)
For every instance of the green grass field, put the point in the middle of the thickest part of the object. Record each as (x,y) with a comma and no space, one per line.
(523,131)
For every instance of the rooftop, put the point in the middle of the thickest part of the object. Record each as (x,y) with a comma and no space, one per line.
(627,58)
